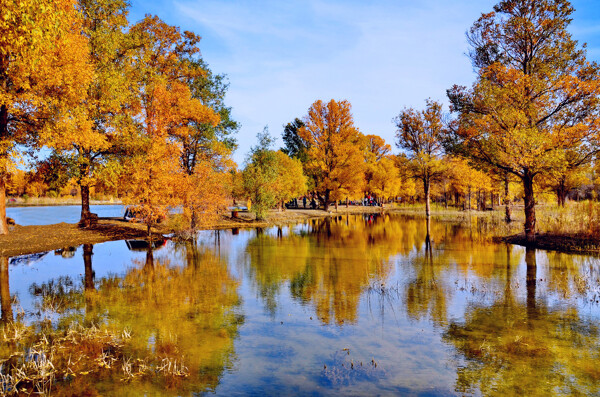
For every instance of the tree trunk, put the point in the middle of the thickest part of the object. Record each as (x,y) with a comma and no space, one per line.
(326,204)
(194,220)
(469,202)
(529,207)
(445,199)
(561,192)
(4,140)
(3,224)
(507,217)
(5,300)
(85,220)
(346,202)
(426,188)
(3,160)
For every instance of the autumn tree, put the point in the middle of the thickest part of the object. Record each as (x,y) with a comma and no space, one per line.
(382,177)
(384,180)
(43,74)
(421,134)
(569,177)
(535,97)
(290,181)
(335,161)
(153,174)
(206,146)
(108,100)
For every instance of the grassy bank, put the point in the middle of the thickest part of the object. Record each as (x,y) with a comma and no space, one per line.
(574,228)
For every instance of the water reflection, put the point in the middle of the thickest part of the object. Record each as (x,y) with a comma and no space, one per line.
(512,347)
(328,265)
(5,301)
(289,310)
(184,312)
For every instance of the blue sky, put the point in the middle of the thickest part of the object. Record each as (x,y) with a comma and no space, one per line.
(281,56)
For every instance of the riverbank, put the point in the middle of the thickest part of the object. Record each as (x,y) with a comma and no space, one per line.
(490,224)
(32,239)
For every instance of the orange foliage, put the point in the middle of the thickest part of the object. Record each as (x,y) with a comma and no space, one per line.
(335,159)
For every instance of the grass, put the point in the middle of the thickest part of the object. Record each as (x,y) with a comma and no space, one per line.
(47,361)
(573,228)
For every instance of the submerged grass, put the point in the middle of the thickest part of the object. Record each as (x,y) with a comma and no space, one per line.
(46,361)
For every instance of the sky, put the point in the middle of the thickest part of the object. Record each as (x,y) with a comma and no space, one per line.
(281,56)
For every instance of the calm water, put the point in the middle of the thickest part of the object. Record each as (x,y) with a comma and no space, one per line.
(49,215)
(354,305)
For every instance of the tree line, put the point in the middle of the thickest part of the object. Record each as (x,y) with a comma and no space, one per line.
(531,116)
(135,109)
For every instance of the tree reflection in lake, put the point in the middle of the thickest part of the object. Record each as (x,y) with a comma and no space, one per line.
(465,315)
(5,300)
(178,313)
(525,346)
(328,265)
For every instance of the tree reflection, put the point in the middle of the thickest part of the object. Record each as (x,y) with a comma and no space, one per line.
(88,280)
(5,300)
(555,348)
(182,311)
(425,293)
(329,265)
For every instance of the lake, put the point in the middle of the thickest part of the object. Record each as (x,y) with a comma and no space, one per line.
(352,305)
(49,215)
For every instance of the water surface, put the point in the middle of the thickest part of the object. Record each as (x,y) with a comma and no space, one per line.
(49,215)
(353,305)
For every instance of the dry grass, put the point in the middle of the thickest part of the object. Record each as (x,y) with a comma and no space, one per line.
(50,360)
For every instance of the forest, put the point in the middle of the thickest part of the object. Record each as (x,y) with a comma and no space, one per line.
(101,108)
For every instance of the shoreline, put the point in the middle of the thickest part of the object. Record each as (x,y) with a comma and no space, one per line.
(23,240)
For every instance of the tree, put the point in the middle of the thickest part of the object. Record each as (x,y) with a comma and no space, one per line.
(381,175)
(108,100)
(43,74)
(295,146)
(207,147)
(260,174)
(153,174)
(572,175)
(421,134)
(535,98)
(384,179)
(335,160)
(290,181)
